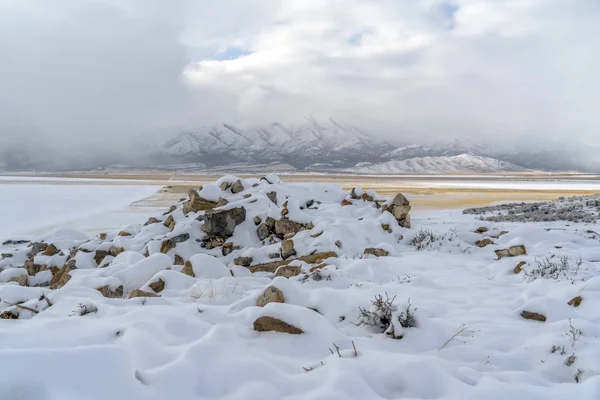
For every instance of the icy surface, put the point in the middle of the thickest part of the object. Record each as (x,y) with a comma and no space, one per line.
(29,207)
(466,338)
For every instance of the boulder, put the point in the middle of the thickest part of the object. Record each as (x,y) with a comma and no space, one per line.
(287,249)
(221,203)
(100,255)
(257,220)
(481,229)
(345,203)
(512,251)
(110,292)
(5,255)
(574,302)
(31,267)
(115,251)
(288,271)
(286,226)
(188,269)
(62,276)
(171,243)
(21,280)
(519,267)
(376,252)
(224,185)
(270,295)
(484,242)
(51,250)
(272,196)
(123,233)
(158,285)
(533,316)
(151,221)
(237,187)
(263,231)
(271,324)
(400,209)
(222,223)
(170,222)
(178,260)
(272,266)
(197,203)
(37,247)
(243,261)
(140,293)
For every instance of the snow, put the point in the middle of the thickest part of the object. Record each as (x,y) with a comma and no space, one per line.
(196,340)
(27,207)
(438,164)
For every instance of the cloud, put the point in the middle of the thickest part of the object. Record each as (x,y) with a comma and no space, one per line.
(95,73)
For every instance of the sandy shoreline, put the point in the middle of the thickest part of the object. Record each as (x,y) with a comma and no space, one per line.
(424,191)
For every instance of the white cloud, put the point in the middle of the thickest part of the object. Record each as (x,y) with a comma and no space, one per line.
(477,69)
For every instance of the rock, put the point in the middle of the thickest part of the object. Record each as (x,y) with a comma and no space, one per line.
(62,276)
(338,243)
(376,252)
(270,324)
(37,247)
(288,271)
(285,226)
(171,243)
(197,203)
(5,255)
(115,251)
(287,249)
(285,211)
(224,185)
(102,236)
(533,316)
(345,203)
(483,242)
(100,255)
(158,286)
(257,220)
(270,295)
(316,235)
(519,267)
(222,223)
(221,203)
(188,269)
(123,233)
(272,266)
(385,227)
(178,260)
(151,221)
(112,293)
(263,231)
(498,235)
(51,250)
(574,302)
(140,293)
(366,197)
(243,261)
(512,251)
(171,209)
(272,196)
(31,267)
(270,222)
(316,267)
(400,209)
(9,315)
(481,229)
(273,256)
(21,280)
(353,194)
(237,187)
(170,222)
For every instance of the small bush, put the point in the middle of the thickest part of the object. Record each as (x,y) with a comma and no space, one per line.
(423,239)
(380,314)
(407,317)
(84,309)
(315,275)
(558,268)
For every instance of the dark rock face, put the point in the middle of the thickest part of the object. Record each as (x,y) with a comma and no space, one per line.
(222,223)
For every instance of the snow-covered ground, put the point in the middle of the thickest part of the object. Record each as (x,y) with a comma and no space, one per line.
(465,337)
(27,209)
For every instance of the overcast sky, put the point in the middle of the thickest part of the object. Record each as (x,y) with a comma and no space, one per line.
(90,72)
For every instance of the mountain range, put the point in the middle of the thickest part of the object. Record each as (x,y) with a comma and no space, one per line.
(327,146)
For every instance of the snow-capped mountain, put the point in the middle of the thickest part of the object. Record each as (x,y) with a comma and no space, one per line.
(327,146)
(439,164)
